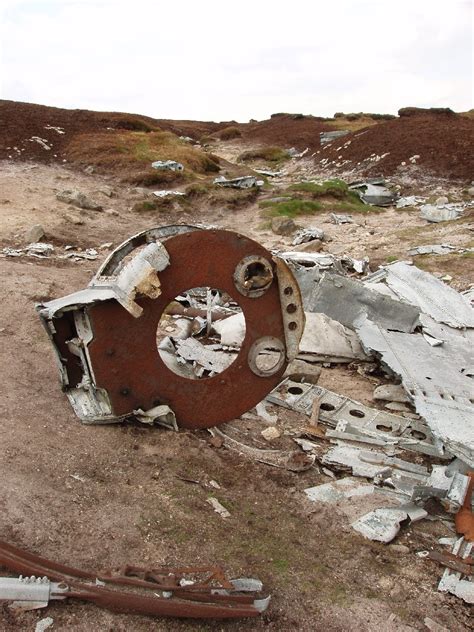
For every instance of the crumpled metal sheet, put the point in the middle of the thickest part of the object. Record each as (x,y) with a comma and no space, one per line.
(429,294)
(435,378)
(433,249)
(381,525)
(348,301)
(374,192)
(243,182)
(325,339)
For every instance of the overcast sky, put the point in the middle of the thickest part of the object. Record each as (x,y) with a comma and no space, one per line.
(215,60)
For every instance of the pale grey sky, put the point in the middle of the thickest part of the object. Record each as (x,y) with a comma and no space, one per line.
(215,60)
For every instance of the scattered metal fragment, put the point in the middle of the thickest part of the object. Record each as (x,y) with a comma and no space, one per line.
(410,200)
(109,372)
(167,165)
(231,330)
(243,182)
(435,249)
(456,582)
(381,525)
(341,219)
(194,592)
(371,464)
(269,173)
(441,213)
(344,488)
(295,461)
(308,234)
(374,192)
(162,415)
(218,507)
(166,193)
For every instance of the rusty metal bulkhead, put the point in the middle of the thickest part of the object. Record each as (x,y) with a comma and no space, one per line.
(105,335)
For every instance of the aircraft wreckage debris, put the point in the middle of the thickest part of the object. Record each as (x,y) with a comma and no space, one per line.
(108,372)
(193,592)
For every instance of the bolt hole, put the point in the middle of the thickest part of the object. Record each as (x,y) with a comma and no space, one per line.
(416,434)
(292,326)
(288,291)
(328,407)
(383,428)
(291,308)
(295,390)
(356,413)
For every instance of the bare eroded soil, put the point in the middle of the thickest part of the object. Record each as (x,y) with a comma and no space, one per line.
(98,497)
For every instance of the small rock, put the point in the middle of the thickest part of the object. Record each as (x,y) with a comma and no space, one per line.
(34,234)
(106,190)
(283,226)
(434,626)
(470,191)
(391,393)
(270,433)
(76,198)
(441,200)
(140,191)
(397,406)
(300,371)
(309,246)
(44,624)
(399,548)
(216,442)
(111,211)
(74,219)
(90,170)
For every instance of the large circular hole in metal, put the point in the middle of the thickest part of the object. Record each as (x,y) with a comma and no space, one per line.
(200,333)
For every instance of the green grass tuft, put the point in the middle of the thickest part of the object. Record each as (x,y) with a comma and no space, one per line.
(334,188)
(268,154)
(291,208)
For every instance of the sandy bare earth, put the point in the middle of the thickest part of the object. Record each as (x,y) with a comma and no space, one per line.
(100,496)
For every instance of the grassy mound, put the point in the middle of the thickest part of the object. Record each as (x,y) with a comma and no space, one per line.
(133,153)
(268,154)
(228,133)
(308,198)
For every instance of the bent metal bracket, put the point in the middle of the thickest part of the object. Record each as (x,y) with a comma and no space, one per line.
(105,335)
